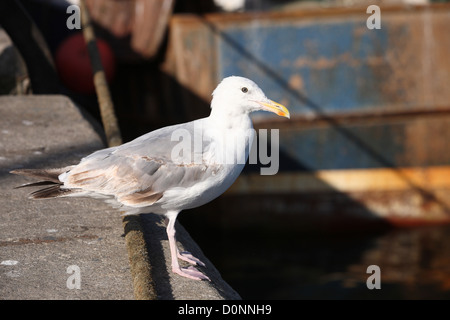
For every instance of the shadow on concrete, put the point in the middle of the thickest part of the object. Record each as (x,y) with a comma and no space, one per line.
(170,286)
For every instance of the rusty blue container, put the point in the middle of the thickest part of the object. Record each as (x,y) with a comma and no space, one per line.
(370,104)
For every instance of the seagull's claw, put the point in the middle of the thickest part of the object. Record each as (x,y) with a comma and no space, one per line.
(188,257)
(191,273)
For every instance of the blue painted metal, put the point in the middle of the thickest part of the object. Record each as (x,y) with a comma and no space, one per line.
(332,62)
(403,143)
(330,66)
(359,99)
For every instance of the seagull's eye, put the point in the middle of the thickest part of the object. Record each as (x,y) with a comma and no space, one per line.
(244,89)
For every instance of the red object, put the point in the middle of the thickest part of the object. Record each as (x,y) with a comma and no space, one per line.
(74,65)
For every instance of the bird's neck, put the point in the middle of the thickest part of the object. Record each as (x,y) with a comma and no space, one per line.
(224,118)
(234,135)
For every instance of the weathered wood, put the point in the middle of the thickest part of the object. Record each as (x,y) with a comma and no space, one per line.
(144,21)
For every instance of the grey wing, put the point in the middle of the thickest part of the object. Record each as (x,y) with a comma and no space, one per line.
(137,173)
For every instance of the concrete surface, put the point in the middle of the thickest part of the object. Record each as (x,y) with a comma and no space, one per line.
(41,239)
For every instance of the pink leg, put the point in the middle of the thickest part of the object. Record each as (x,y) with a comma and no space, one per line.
(190,272)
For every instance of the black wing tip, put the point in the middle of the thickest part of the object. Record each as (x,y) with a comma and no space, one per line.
(43,174)
(54,191)
(36,184)
(49,178)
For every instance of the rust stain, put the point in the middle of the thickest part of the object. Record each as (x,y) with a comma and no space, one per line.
(22,241)
(407,194)
(425,139)
(351,180)
(327,63)
(417,64)
(296,82)
(387,115)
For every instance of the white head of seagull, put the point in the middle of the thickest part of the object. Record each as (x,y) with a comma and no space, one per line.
(238,96)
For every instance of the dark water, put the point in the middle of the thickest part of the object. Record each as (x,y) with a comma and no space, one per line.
(263,264)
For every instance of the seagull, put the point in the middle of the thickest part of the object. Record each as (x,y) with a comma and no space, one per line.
(162,172)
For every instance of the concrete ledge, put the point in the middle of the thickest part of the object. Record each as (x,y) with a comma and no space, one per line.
(39,240)
(44,238)
(169,286)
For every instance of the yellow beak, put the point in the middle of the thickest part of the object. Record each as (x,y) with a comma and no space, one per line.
(275,107)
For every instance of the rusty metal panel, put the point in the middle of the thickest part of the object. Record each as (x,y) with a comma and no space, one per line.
(364,103)
(325,61)
(405,142)
(329,64)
